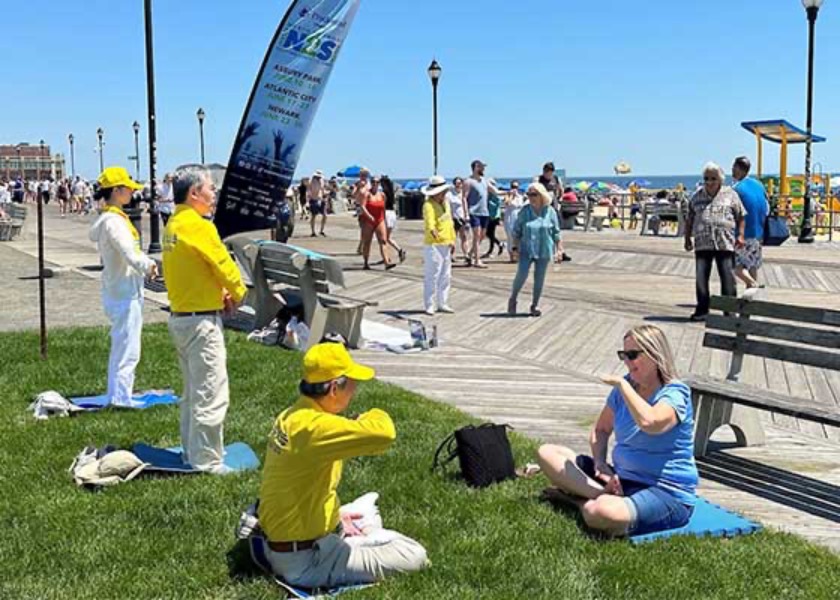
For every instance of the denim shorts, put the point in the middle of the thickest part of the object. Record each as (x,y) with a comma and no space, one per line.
(479,221)
(651,508)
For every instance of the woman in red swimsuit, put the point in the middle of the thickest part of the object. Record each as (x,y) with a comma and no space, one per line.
(373,222)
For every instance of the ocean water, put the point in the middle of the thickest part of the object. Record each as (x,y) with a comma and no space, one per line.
(655,182)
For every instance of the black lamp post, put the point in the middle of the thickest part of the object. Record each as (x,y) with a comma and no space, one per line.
(70,139)
(20,164)
(806,232)
(99,135)
(434,74)
(154,215)
(136,127)
(42,302)
(200,114)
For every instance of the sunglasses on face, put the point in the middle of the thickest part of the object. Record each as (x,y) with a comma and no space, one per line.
(532,194)
(629,354)
(711,179)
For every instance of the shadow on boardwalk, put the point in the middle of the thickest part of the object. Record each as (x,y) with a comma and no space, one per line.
(802,493)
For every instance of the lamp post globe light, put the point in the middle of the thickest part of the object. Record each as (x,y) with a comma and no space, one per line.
(200,114)
(435,71)
(806,233)
(136,127)
(99,135)
(71,139)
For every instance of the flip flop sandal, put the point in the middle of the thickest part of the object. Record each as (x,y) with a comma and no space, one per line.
(528,471)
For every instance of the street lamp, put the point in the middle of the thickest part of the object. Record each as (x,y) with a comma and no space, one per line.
(806,232)
(38,163)
(154,214)
(20,164)
(42,302)
(70,139)
(136,127)
(434,74)
(99,135)
(200,115)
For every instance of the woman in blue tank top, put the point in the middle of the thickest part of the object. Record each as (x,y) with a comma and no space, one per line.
(651,483)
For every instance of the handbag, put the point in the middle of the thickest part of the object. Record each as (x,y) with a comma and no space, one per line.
(483,453)
(776,230)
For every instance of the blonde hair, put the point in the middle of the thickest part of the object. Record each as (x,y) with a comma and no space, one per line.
(711,167)
(652,341)
(540,189)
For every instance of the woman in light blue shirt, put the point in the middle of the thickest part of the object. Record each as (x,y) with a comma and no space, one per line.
(538,233)
(651,483)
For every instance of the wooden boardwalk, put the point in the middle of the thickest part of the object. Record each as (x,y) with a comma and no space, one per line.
(541,375)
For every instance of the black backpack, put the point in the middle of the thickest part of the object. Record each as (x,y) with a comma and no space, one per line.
(483,453)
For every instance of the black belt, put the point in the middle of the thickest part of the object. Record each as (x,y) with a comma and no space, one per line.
(199,313)
(292,546)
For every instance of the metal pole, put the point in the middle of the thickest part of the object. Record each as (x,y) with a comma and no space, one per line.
(101,159)
(435,118)
(154,218)
(72,158)
(42,302)
(806,233)
(137,153)
(201,135)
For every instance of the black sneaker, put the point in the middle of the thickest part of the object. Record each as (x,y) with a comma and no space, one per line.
(566,258)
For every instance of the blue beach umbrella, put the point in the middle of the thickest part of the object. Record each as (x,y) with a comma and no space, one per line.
(639,183)
(352,171)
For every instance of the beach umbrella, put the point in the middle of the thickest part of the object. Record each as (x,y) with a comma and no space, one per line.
(352,171)
(601,186)
(582,186)
(641,183)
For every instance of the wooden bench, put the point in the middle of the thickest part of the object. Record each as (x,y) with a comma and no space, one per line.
(280,275)
(654,214)
(596,215)
(568,213)
(793,334)
(11,228)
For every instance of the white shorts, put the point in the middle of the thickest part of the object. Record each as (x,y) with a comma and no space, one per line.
(390,220)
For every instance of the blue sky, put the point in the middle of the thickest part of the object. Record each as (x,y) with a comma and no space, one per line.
(661,84)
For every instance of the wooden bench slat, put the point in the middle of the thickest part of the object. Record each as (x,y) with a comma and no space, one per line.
(804,356)
(780,331)
(275,276)
(757,308)
(747,395)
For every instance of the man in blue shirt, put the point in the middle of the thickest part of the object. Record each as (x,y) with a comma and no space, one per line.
(754,198)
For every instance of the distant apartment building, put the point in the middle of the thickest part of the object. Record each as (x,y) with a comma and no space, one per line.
(31,161)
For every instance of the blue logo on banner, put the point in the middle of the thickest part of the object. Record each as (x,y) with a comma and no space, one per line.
(310,45)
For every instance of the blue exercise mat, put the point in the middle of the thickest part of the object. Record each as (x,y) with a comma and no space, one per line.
(257,546)
(238,457)
(145,400)
(708,519)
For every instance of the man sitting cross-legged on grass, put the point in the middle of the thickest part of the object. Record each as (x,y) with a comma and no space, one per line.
(651,486)
(299,506)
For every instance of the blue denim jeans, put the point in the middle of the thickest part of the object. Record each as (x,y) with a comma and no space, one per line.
(540,270)
(651,507)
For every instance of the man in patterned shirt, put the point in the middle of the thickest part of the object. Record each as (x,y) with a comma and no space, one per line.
(716,224)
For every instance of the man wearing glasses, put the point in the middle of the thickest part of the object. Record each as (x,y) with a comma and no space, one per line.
(715,214)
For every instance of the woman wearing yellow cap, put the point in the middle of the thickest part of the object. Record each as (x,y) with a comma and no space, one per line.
(124,268)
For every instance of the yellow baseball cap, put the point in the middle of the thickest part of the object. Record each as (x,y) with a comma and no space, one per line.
(325,362)
(113,177)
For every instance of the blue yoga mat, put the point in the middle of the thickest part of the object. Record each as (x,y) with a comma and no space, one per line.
(146,399)
(708,519)
(238,457)
(257,547)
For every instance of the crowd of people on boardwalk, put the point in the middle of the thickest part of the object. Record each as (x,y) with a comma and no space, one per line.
(73,195)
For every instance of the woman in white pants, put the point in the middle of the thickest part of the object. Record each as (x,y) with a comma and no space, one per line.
(439,239)
(125,267)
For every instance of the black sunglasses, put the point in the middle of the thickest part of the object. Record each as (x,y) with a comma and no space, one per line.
(629,354)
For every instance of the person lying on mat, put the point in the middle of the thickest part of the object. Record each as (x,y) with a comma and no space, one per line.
(299,505)
(651,484)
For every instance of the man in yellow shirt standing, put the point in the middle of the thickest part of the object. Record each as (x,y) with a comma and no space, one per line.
(299,508)
(202,281)
(439,240)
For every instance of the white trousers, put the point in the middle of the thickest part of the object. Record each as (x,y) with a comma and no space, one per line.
(337,560)
(126,318)
(200,344)
(437,275)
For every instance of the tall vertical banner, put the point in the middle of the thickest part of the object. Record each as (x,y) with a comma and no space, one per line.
(283,103)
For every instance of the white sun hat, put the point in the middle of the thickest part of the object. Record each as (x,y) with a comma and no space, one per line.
(437,184)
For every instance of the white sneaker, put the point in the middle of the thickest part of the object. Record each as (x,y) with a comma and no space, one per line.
(750,293)
(446,309)
(430,311)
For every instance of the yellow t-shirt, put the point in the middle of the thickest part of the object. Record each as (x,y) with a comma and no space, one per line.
(303,463)
(197,267)
(437,217)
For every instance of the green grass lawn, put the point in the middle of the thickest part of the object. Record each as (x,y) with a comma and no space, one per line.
(173,537)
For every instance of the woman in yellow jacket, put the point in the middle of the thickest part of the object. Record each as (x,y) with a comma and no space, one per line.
(439,240)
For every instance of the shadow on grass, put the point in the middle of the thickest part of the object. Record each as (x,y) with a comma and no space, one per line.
(240,565)
(802,493)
